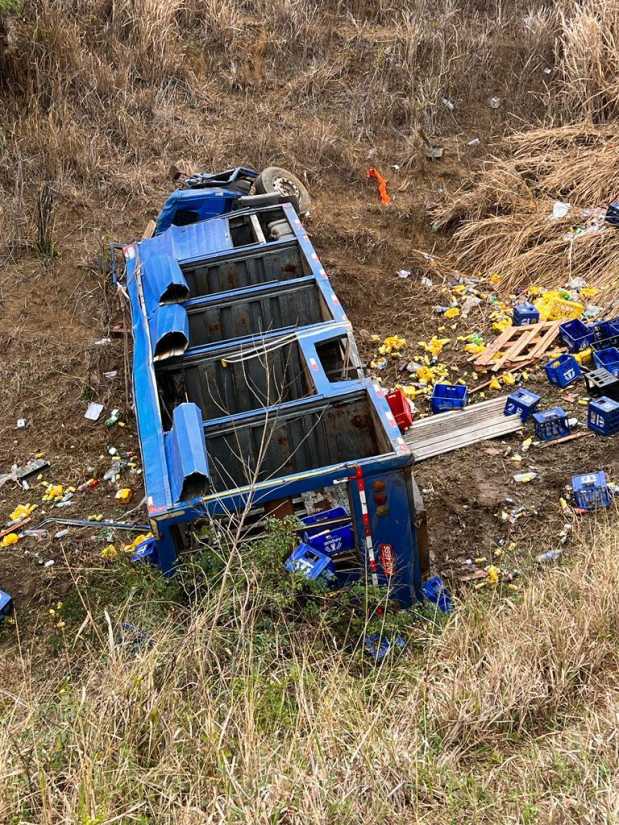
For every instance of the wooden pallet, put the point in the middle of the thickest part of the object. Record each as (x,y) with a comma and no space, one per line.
(517,345)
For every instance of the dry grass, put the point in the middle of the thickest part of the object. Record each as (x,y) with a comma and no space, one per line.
(505,220)
(508,716)
(101,97)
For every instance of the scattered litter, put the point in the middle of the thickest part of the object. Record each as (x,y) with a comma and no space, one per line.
(49,563)
(94,411)
(448,104)
(113,419)
(493,574)
(62,533)
(102,342)
(110,375)
(494,102)
(21,424)
(9,539)
(6,605)
(124,495)
(425,281)
(525,478)
(404,273)
(109,552)
(549,556)
(381,185)
(560,210)
(53,492)
(112,451)
(22,511)
(20,473)
(433,151)
(474,142)
(470,302)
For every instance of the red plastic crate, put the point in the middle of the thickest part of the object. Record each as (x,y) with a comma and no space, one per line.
(401,409)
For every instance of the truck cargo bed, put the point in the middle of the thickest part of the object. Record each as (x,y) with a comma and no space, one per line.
(280,444)
(254,314)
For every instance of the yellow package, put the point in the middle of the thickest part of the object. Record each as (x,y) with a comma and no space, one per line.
(552,307)
(584,357)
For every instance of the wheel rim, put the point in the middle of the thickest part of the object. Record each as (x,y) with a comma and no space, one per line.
(286,187)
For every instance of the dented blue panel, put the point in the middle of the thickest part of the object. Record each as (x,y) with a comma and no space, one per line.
(169,330)
(186,453)
(204,203)
(165,281)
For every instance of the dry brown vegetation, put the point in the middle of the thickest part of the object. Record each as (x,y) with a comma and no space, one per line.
(508,714)
(504,220)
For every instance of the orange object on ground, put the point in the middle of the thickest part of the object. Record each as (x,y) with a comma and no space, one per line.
(381,184)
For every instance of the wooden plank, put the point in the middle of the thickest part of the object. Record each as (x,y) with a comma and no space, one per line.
(456,419)
(149,231)
(570,437)
(450,431)
(14,527)
(437,447)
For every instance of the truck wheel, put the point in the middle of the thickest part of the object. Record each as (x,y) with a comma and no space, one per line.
(278,180)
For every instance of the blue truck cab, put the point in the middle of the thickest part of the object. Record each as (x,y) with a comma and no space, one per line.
(249,391)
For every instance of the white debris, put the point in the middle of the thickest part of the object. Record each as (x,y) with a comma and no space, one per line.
(94,411)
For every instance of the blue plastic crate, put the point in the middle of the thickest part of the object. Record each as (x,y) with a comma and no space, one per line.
(563,370)
(607,333)
(525,313)
(449,397)
(378,646)
(146,551)
(332,542)
(591,490)
(608,359)
(551,424)
(603,417)
(315,521)
(6,605)
(521,401)
(310,563)
(435,591)
(577,335)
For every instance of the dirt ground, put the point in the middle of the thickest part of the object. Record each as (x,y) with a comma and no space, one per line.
(55,315)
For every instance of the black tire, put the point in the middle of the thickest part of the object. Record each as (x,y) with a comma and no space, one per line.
(280,181)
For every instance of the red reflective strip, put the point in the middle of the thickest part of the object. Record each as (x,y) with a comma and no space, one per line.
(373,565)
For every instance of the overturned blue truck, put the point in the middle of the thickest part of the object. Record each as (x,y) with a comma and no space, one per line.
(250,394)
